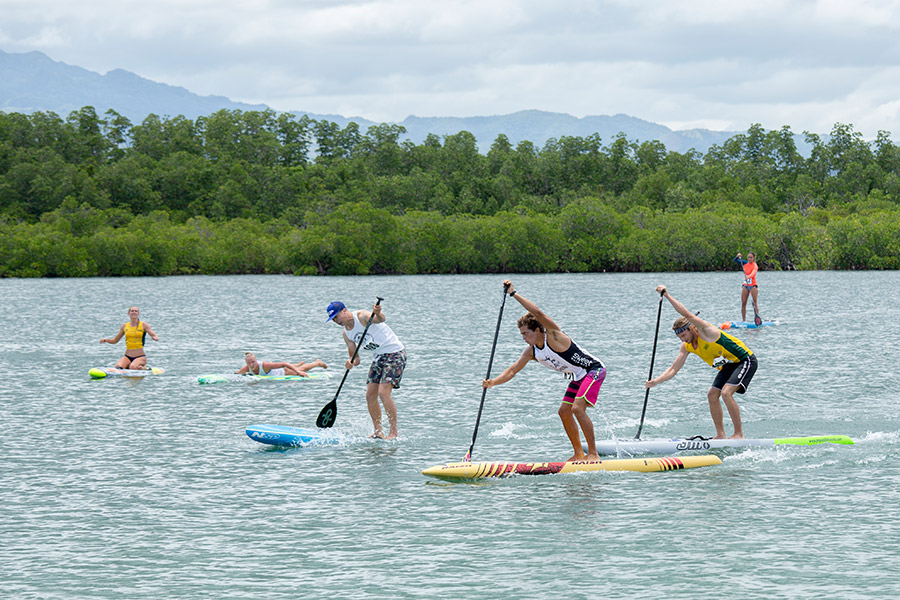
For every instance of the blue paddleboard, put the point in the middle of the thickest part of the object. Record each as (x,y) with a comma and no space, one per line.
(745,324)
(280,435)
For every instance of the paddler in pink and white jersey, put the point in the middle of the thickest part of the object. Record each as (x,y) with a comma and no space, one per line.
(735,362)
(548,345)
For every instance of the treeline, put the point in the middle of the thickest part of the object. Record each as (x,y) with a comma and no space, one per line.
(260,192)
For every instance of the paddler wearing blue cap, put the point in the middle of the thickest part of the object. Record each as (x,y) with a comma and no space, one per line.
(387,367)
(735,362)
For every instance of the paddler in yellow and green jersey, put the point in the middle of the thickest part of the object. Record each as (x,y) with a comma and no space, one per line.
(735,362)
(135,331)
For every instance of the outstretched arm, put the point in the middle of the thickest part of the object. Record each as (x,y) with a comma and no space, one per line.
(114,340)
(153,335)
(671,371)
(510,371)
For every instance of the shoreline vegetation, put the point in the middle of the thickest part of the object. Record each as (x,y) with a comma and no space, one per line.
(261,192)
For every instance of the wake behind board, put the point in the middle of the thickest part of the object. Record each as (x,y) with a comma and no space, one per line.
(616,447)
(280,435)
(248,377)
(480,470)
(104,372)
(745,324)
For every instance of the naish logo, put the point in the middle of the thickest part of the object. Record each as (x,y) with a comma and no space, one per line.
(692,445)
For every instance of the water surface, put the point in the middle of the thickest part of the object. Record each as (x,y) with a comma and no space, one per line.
(149,488)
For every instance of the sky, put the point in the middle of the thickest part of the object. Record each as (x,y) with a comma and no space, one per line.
(716,64)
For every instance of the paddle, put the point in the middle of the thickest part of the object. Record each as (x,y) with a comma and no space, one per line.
(329,412)
(756,318)
(652,359)
(468,457)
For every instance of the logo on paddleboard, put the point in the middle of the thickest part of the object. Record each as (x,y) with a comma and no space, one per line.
(692,445)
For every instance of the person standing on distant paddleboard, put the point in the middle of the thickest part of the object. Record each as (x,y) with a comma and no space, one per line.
(549,346)
(135,332)
(277,369)
(749,287)
(735,362)
(387,367)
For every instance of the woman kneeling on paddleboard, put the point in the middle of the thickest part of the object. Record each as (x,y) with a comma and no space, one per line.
(733,359)
(135,332)
(548,345)
(277,369)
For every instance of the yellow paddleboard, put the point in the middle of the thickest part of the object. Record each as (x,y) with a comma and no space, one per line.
(479,470)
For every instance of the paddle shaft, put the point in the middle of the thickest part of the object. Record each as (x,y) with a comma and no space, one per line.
(652,360)
(488,376)
(328,414)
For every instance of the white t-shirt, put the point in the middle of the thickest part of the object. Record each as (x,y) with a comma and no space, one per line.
(379,337)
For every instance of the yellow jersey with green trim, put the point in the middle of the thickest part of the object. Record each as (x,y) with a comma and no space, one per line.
(134,336)
(728,347)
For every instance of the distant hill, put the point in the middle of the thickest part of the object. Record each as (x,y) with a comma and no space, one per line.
(32,82)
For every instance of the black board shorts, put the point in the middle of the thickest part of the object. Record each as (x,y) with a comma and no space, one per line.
(738,374)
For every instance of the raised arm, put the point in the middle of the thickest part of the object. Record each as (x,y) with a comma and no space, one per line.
(531,307)
(707,330)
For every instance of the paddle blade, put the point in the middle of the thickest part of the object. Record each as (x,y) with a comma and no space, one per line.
(757,320)
(327,415)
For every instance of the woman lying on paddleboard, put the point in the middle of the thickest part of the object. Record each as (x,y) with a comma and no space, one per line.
(265,367)
(749,287)
(135,332)
(548,345)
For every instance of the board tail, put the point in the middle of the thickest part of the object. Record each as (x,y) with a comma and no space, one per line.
(814,440)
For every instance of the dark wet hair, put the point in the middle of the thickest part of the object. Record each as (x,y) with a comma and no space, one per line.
(530,321)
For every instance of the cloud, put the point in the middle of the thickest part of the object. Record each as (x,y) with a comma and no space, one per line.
(802,63)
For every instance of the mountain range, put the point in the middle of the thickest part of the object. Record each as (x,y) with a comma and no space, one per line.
(32,81)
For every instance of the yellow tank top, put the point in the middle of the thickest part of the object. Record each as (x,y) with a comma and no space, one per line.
(134,336)
(727,346)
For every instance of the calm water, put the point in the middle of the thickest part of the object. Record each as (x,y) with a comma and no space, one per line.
(150,489)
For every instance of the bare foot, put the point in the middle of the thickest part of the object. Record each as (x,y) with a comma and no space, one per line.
(376,436)
(737,436)
(575,457)
(320,363)
(391,436)
(719,436)
(593,456)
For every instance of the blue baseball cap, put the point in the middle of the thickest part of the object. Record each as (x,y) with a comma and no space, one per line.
(334,308)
